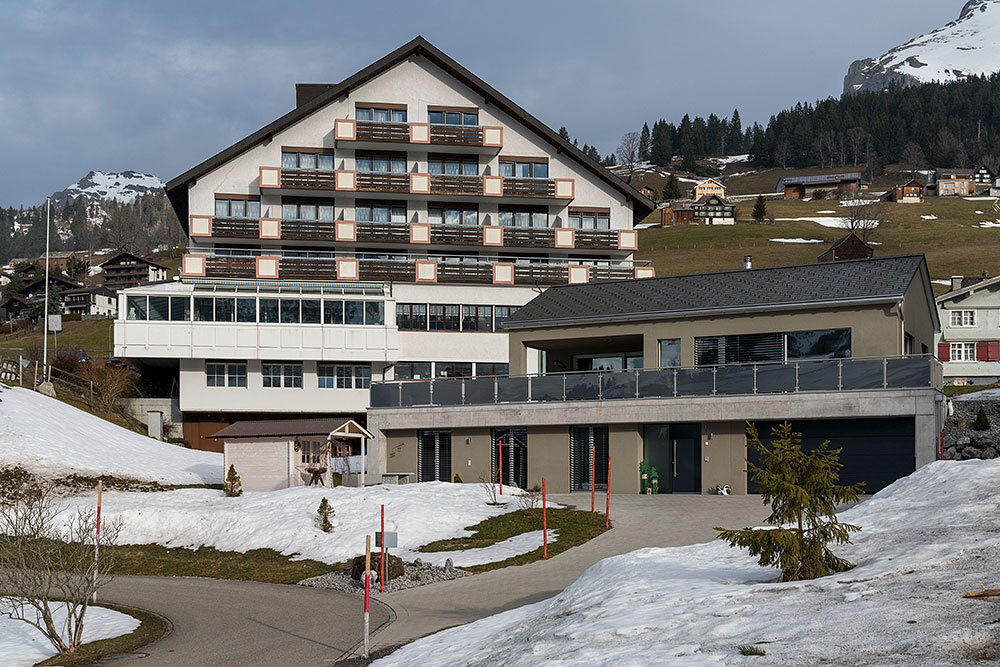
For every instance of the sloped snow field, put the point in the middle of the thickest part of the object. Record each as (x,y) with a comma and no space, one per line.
(50,438)
(286,520)
(22,645)
(926,540)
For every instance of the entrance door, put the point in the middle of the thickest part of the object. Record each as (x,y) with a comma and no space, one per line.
(673,449)
(582,439)
(434,456)
(515,456)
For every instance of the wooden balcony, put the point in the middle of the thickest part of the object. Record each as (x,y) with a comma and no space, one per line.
(457,135)
(309,230)
(363,134)
(453,184)
(308,179)
(236,228)
(381,182)
(377,132)
(529,187)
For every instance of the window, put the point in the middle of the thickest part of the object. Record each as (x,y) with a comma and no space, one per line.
(325,374)
(379,212)
(589,219)
(310,311)
(269,311)
(963,318)
(203,309)
(440,116)
(289,311)
(523,217)
(362,377)
(159,308)
(302,210)
(136,308)
(374,313)
(215,375)
(180,308)
(225,309)
(819,344)
(963,351)
(477,318)
(226,373)
(524,168)
(354,312)
(453,369)
(453,214)
(670,353)
(333,312)
(318,159)
(237,208)
(345,377)
(411,316)
(413,370)
(236,375)
(745,348)
(293,375)
(278,375)
(246,310)
(381,114)
(381,163)
(444,317)
(487,369)
(453,165)
(312,451)
(500,315)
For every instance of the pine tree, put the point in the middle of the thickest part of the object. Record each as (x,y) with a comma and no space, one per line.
(644,142)
(759,210)
(661,144)
(982,422)
(324,513)
(672,188)
(564,133)
(233,486)
(803,494)
(734,144)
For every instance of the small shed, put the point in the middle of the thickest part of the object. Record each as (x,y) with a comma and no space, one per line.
(847,247)
(278,454)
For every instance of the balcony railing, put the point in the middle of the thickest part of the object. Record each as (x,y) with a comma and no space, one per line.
(377,131)
(825,375)
(528,187)
(239,228)
(309,230)
(459,135)
(449,184)
(368,181)
(308,179)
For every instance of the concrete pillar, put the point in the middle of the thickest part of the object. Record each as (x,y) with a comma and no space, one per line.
(154,424)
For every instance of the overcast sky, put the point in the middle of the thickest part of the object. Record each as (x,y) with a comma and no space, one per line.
(160,86)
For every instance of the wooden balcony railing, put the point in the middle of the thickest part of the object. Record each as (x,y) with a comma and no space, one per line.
(368,181)
(220,266)
(308,179)
(528,187)
(460,135)
(457,235)
(369,130)
(384,269)
(309,230)
(596,238)
(386,232)
(450,184)
(238,228)
(529,237)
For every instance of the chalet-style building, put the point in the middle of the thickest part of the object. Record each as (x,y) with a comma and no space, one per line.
(648,193)
(804,187)
(669,370)
(128,270)
(708,187)
(677,212)
(955,182)
(911,192)
(714,210)
(56,259)
(968,344)
(849,246)
(96,301)
(984,178)
(386,227)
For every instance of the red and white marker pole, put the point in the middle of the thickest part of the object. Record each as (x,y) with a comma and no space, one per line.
(593,467)
(545,525)
(381,576)
(97,539)
(607,502)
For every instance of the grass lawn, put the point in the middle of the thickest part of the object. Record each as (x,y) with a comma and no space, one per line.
(575,528)
(152,627)
(91,336)
(951,390)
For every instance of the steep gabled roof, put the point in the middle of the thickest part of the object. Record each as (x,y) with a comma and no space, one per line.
(315,96)
(880,280)
(277,428)
(968,289)
(818,179)
(133,256)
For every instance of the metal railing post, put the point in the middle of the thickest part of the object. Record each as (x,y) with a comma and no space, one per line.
(675,382)
(496,390)
(715,372)
(755,378)
(399,394)
(885,373)
(840,375)
(463,392)
(796,378)
(564,386)
(637,383)
(430,394)
(528,378)
(600,385)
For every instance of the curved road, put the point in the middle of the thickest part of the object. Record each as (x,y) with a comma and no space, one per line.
(217,622)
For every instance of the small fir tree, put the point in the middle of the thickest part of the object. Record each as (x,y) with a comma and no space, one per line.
(982,422)
(325,512)
(672,188)
(233,486)
(803,493)
(759,210)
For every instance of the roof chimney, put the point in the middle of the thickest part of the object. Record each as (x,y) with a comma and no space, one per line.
(747,262)
(956,282)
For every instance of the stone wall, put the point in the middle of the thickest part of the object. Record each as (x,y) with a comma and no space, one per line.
(961,441)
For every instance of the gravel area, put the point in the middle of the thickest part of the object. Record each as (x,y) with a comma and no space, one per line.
(415,574)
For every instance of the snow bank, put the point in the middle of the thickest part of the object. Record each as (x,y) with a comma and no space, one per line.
(50,438)
(694,605)
(22,645)
(841,223)
(988,224)
(929,217)
(797,240)
(286,520)
(494,553)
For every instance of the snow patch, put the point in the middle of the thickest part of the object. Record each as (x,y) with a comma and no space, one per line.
(929,217)
(942,282)
(797,240)
(514,546)
(842,223)
(22,645)
(100,186)
(826,212)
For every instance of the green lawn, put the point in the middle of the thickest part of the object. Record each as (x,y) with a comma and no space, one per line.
(91,336)
(575,528)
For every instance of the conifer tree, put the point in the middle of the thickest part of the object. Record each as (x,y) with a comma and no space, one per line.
(232,487)
(803,493)
(672,188)
(644,141)
(759,210)
(324,512)
(982,422)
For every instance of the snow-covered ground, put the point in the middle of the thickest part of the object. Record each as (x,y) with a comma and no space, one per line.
(988,224)
(984,395)
(926,540)
(514,546)
(22,645)
(832,221)
(286,520)
(50,438)
(929,217)
(942,282)
(797,240)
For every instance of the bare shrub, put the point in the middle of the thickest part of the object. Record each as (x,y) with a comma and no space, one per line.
(530,499)
(112,383)
(490,488)
(47,561)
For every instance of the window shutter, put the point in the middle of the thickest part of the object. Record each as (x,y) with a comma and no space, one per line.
(944,352)
(993,351)
(982,351)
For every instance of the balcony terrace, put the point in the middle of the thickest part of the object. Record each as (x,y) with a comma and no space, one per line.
(364,134)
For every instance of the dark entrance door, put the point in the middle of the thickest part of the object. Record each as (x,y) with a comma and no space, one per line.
(582,439)
(434,456)
(673,449)
(515,455)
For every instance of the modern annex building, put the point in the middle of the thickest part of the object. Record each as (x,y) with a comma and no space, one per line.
(384,228)
(670,370)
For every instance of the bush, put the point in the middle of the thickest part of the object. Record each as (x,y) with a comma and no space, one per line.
(750,649)
(232,487)
(325,512)
(982,422)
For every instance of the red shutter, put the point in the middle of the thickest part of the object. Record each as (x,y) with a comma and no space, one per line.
(944,351)
(993,351)
(982,351)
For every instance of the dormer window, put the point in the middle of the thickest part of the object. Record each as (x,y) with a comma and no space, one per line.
(307,159)
(524,167)
(452,116)
(381,114)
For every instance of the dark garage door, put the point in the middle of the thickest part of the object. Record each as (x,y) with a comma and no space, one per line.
(874,451)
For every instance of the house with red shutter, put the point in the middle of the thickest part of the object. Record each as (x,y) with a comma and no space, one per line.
(969,342)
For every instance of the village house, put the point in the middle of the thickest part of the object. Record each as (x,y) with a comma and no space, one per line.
(849,246)
(910,192)
(714,210)
(708,187)
(984,178)
(955,182)
(677,212)
(804,187)
(128,270)
(968,344)
(96,301)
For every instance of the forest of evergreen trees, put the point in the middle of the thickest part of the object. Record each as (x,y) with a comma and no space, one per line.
(932,125)
(76,225)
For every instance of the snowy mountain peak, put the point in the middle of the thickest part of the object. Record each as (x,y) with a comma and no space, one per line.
(961,48)
(100,186)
